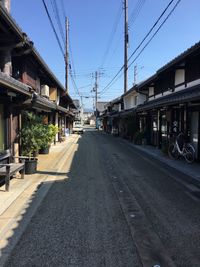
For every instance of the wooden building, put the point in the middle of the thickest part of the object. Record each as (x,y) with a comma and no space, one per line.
(173,100)
(165,104)
(26,83)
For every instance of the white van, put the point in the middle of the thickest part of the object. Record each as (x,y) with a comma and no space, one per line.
(77,127)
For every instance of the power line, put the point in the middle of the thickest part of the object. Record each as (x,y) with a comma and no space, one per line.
(112,81)
(113,32)
(63,9)
(54,30)
(56,13)
(114,78)
(72,58)
(155,32)
(149,32)
(136,11)
(57,17)
(75,86)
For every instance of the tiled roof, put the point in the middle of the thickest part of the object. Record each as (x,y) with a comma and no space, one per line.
(44,102)
(174,61)
(180,57)
(17,30)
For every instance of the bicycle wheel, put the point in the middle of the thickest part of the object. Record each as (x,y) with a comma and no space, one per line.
(173,152)
(189,153)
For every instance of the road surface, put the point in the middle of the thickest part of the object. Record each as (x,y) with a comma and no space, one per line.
(115,208)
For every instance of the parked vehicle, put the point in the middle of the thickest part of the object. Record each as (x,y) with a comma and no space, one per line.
(181,148)
(77,127)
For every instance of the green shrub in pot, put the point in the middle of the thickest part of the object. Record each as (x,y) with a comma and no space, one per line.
(47,137)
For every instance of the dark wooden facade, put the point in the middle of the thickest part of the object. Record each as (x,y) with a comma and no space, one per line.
(22,75)
(172,104)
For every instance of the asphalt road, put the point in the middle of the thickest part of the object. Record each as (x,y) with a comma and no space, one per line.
(117,208)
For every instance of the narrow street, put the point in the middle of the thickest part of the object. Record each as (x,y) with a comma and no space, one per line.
(116,207)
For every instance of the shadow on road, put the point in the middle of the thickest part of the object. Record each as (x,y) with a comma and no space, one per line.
(18,229)
(74,220)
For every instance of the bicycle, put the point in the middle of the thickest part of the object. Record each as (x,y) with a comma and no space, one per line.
(181,148)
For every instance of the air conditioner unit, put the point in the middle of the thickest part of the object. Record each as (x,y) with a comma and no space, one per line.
(45,90)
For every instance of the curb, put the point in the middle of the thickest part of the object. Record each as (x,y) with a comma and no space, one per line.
(189,177)
(165,162)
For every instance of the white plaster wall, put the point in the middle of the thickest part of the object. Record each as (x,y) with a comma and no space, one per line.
(141,99)
(151,91)
(179,88)
(179,76)
(193,83)
(128,101)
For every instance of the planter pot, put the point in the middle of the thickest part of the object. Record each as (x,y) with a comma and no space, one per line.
(30,166)
(44,150)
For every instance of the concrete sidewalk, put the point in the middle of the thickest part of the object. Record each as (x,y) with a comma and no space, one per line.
(46,164)
(191,170)
(14,204)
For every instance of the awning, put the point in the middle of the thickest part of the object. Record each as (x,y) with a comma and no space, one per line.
(127,113)
(13,85)
(183,96)
(62,109)
(42,103)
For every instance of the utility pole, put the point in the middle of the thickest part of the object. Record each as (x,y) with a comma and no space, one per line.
(98,74)
(93,103)
(96,90)
(125,45)
(67,56)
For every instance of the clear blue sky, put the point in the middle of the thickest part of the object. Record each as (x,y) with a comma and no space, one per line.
(91,25)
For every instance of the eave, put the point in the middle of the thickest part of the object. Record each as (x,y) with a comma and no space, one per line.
(14,85)
(185,96)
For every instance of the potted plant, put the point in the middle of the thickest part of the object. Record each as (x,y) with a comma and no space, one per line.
(29,135)
(47,137)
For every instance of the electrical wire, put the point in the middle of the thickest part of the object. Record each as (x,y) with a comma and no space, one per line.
(112,34)
(152,28)
(63,9)
(57,17)
(71,55)
(75,86)
(114,78)
(111,82)
(136,12)
(54,30)
(155,32)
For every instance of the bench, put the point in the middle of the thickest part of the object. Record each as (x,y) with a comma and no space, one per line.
(8,168)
